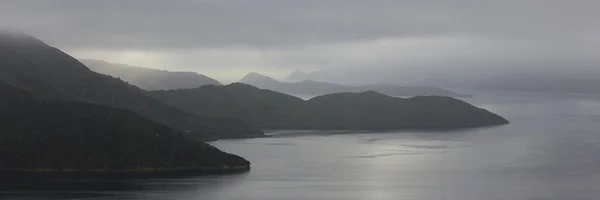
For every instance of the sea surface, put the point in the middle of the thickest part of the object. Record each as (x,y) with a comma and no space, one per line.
(550,151)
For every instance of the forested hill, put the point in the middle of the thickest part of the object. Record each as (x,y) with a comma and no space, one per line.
(45,71)
(41,135)
(267,109)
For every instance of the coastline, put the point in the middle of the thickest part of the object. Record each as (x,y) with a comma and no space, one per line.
(12,174)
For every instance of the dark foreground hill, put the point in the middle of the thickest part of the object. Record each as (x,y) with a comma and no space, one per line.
(41,136)
(29,64)
(367,110)
(309,87)
(150,79)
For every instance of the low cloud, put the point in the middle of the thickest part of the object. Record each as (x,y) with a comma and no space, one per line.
(231,37)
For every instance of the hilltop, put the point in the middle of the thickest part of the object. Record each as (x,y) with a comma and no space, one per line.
(310,87)
(150,79)
(46,72)
(268,109)
(53,137)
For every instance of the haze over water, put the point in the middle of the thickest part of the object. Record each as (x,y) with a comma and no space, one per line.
(549,151)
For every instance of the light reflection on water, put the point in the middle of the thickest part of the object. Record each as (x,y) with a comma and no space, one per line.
(549,151)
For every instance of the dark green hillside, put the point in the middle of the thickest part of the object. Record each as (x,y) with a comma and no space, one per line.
(40,135)
(371,110)
(261,108)
(29,64)
(367,110)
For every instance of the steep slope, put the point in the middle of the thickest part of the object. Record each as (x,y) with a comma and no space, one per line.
(309,87)
(51,136)
(150,79)
(367,110)
(47,72)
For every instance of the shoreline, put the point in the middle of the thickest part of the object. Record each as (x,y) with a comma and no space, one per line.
(12,174)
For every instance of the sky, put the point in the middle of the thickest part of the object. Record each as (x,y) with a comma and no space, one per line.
(229,38)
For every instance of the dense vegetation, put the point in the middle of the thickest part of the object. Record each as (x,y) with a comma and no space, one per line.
(150,79)
(40,134)
(309,87)
(367,110)
(29,64)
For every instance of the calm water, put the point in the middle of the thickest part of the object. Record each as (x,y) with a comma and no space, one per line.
(550,151)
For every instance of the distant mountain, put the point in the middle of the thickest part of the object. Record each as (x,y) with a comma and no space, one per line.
(367,110)
(80,139)
(541,84)
(298,75)
(548,77)
(308,87)
(150,79)
(257,78)
(29,64)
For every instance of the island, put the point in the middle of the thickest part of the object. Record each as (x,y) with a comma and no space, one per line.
(369,110)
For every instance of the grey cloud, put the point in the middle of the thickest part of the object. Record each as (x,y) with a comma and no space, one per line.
(274,23)
(414,36)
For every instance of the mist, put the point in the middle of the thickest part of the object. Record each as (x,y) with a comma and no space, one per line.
(393,40)
(299,99)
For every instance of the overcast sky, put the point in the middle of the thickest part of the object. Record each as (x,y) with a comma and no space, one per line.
(228,38)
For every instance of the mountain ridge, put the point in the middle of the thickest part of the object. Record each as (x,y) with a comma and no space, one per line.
(48,72)
(311,87)
(148,78)
(367,110)
(41,136)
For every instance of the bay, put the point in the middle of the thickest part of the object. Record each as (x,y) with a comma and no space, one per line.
(549,151)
